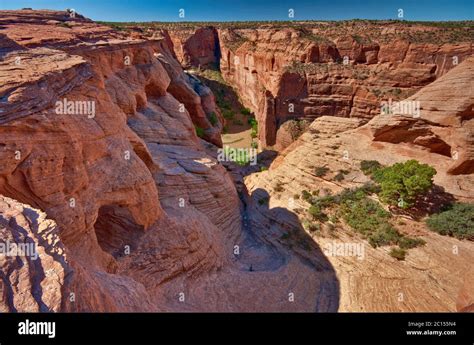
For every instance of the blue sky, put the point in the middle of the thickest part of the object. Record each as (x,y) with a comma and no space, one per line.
(229,10)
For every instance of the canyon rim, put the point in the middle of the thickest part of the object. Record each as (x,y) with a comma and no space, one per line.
(240,167)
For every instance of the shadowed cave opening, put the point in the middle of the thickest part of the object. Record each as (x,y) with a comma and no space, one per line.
(116,230)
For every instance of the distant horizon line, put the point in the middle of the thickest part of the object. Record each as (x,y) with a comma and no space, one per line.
(285,21)
(248,21)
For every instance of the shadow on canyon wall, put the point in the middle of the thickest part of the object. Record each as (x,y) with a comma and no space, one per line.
(279,236)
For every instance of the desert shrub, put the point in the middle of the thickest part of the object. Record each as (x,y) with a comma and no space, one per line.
(377,92)
(405,242)
(253,123)
(370,188)
(254,145)
(365,215)
(457,222)
(385,235)
(398,253)
(305,195)
(321,171)
(313,227)
(199,131)
(212,118)
(317,213)
(263,201)
(339,177)
(228,114)
(238,156)
(278,187)
(295,127)
(369,167)
(353,194)
(223,104)
(245,111)
(325,201)
(402,183)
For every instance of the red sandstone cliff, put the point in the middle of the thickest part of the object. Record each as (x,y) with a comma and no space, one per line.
(337,69)
(128,210)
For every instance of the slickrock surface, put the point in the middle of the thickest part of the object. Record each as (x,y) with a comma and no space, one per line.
(131,211)
(378,281)
(45,261)
(145,215)
(446,121)
(465,300)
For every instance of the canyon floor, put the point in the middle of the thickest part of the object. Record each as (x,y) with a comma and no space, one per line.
(110,137)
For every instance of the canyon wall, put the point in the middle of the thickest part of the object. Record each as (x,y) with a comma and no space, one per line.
(197,48)
(378,281)
(336,69)
(129,210)
(97,174)
(103,172)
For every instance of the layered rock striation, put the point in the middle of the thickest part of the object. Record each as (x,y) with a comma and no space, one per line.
(100,155)
(335,69)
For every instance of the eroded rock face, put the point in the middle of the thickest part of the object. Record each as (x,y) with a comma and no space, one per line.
(131,211)
(195,48)
(43,254)
(144,213)
(375,281)
(340,144)
(94,175)
(345,70)
(443,122)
